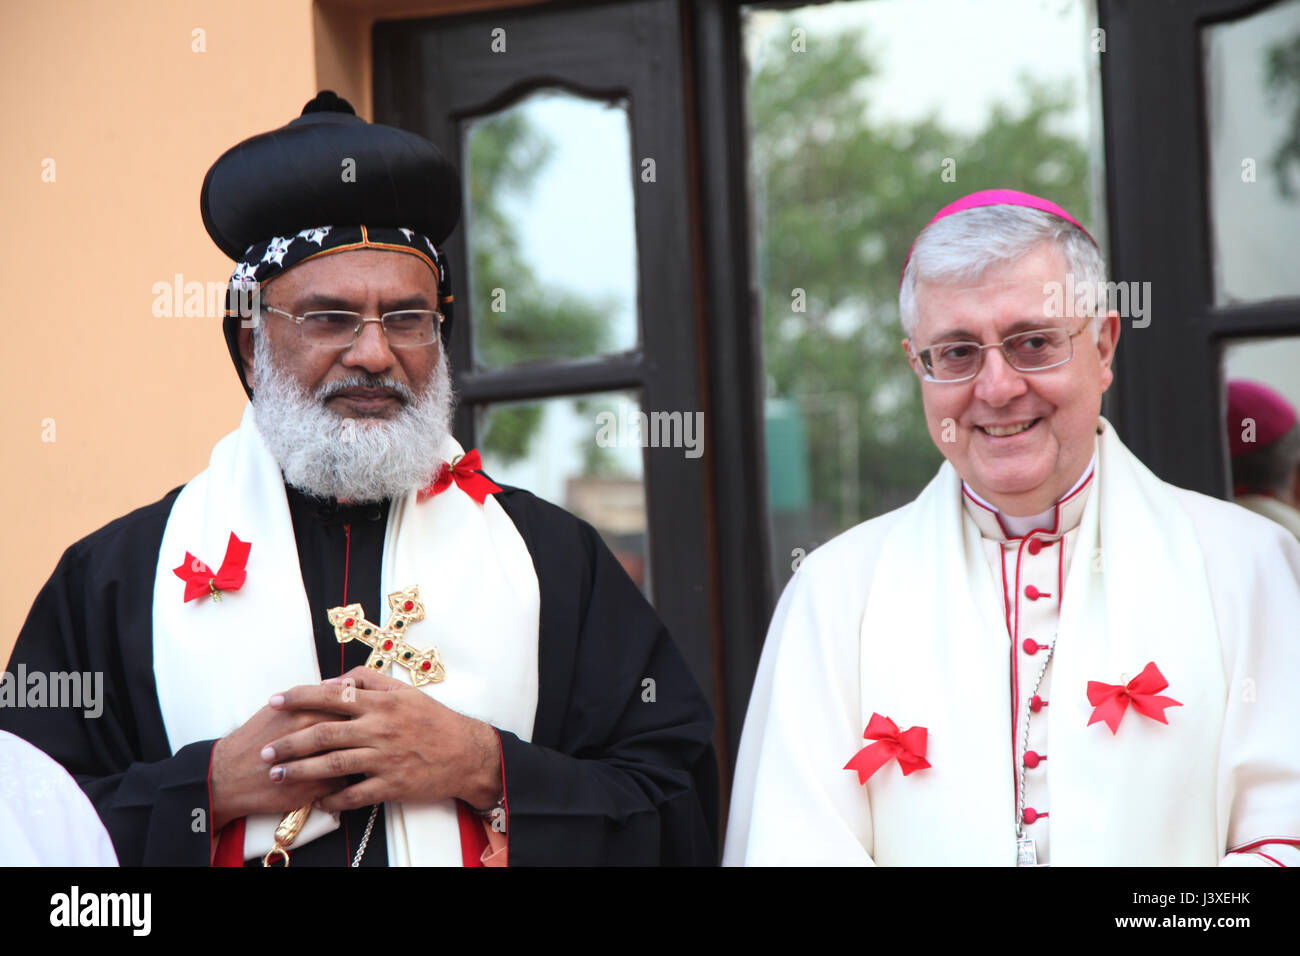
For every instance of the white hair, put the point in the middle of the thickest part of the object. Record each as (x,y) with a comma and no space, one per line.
(958,248)
(353,459)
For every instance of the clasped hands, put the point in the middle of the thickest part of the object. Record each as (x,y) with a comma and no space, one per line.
(309,740)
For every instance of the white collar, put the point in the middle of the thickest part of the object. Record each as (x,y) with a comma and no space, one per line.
(1015,526)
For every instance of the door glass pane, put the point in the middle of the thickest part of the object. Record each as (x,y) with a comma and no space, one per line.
(551,230)
(572,452)
(865,118)
(1263,441)
(1252,79)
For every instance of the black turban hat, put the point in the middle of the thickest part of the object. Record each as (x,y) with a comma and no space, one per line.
(327,181)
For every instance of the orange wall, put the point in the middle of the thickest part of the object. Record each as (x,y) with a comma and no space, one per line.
(132,118)
(132,114)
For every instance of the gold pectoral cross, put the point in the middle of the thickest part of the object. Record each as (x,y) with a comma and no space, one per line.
(388,645)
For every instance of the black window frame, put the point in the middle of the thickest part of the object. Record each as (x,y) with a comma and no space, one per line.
(1167,399)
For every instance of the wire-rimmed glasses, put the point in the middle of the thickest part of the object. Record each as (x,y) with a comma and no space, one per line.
(338,329)
(1033,351)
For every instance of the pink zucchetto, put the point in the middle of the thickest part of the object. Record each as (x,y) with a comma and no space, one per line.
(1273,416)
(999,197)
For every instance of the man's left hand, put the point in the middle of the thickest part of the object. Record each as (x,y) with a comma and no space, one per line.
(409,746)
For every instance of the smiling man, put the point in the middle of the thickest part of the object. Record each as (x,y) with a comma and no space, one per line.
(1053,656)
(342,644)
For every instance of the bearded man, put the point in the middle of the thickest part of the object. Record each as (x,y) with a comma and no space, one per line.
(1053,655)
(395,661)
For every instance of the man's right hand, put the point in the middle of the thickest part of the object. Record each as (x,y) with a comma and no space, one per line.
(241,782)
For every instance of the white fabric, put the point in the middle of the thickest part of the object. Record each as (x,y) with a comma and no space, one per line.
(45,818)
(218,663)
(1273,510)
(1015,567)
(900,616)
(1020,525)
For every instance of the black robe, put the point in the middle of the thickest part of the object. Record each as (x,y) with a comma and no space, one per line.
(608,778)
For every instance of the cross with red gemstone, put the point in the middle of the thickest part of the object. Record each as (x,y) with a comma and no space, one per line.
(386,643)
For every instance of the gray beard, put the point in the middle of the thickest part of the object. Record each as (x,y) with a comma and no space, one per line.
(351,459)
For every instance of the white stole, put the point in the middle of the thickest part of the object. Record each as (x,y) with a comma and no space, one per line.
(216,664)
(943,663)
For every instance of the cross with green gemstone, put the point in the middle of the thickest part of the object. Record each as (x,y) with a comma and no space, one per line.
(386,643)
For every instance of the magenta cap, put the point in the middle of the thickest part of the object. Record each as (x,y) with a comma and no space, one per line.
(997,197)
(1272,414)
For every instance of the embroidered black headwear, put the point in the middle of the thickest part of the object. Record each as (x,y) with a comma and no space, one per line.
(327,182)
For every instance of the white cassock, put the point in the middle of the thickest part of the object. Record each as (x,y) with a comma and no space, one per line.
(991,633)
(1273,510)
(45,819)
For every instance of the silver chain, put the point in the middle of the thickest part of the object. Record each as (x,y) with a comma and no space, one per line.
(365,837)
(1024,743)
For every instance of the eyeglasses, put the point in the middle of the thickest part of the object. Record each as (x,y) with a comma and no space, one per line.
(335,329)
(1033,351)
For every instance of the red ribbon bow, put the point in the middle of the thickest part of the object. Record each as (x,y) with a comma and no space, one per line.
(908,747)
(1111,700)
(465,469)
(199,579)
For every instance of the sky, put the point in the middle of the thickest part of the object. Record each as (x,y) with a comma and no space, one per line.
(1256,230)
(954,57)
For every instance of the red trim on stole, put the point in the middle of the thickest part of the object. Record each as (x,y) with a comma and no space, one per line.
(227,846)
(1013,630)
(347,559)
(230,845)
(1250,846)
(1060,579)
(1015,679)
(1087,481)
(1006,596)
(1269,858)
(473,838)
(996,517)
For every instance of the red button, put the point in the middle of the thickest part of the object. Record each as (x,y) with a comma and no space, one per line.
(1032,593)
(1035,546)
(1031,646)
(1031,815)
(1036,703)
(1032,759)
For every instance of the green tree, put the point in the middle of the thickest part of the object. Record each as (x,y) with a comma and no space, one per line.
(1282,80)
(539,322)
(839,200)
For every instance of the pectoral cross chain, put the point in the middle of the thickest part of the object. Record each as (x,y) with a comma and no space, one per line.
(387,643)
(387,647)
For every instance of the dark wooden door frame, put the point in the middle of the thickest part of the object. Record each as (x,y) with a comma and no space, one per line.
(732,326)
(434,74)
(1167,397)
